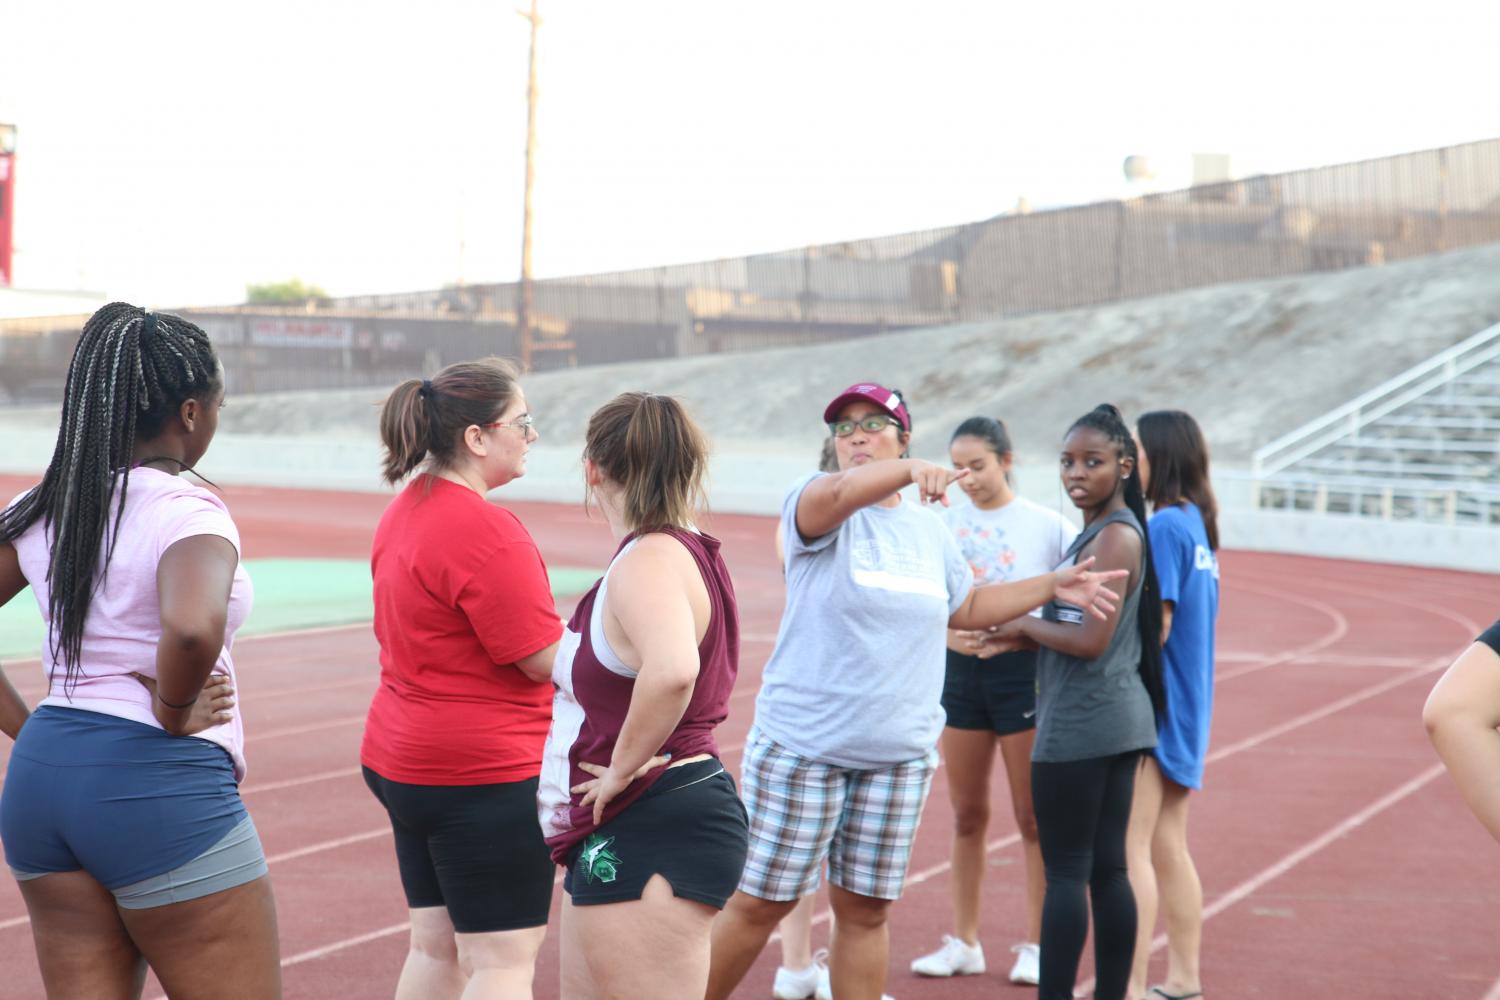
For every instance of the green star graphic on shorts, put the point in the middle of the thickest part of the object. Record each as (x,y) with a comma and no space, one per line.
(596,860)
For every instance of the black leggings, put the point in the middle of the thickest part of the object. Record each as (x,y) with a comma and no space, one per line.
(1082,810)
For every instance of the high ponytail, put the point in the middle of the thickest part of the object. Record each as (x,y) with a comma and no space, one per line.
(1106,419)
(651,448)
(131,372)
(425,420)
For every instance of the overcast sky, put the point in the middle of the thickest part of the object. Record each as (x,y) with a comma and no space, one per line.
(170,152)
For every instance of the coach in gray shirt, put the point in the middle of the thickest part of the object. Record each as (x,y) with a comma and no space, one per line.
(838,764)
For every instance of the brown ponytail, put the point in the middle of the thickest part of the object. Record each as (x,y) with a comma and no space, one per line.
(426,419)
(649,446)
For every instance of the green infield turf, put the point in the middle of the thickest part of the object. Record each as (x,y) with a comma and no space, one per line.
(289,594)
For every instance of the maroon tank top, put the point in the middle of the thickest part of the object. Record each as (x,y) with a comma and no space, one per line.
(593,690)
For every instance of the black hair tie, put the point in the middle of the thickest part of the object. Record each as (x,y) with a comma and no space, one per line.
(150,327)
(426,391)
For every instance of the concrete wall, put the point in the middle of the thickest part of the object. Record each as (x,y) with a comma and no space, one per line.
(754,482)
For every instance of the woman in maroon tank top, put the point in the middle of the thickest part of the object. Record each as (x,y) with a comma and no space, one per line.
(633,799)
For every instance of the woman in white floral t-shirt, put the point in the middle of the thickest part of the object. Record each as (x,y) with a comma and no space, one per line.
(992,702)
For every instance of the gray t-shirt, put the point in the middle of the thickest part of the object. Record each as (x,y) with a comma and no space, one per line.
(1098,707)
(856,678)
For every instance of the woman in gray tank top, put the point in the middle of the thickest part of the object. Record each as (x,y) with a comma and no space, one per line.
(1098,693)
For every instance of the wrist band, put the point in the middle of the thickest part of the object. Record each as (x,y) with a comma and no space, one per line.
(186,704)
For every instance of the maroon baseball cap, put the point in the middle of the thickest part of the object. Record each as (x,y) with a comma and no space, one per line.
(887,399)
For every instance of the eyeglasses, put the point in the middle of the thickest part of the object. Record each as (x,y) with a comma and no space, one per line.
(524,423)
(873,424)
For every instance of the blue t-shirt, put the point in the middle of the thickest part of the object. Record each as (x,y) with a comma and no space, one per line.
(1188,572)
(856,678)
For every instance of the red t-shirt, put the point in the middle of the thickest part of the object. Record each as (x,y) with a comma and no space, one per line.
(461,594)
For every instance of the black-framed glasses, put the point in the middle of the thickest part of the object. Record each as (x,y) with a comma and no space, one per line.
(873,424)
(524,423)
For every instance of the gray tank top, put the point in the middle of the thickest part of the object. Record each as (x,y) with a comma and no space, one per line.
(1099,707)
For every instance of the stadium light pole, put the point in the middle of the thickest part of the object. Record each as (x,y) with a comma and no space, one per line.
(524,296)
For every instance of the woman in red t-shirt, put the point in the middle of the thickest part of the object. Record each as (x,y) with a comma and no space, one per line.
(467,630)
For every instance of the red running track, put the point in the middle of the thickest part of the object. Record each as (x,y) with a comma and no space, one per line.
(1336,857)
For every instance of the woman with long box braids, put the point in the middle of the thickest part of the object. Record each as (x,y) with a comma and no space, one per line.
(121,814)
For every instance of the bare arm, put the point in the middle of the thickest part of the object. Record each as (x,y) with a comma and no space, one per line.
(828,501)
(13,710)
(1166,620)
(1461,716)
(193,581)
(994,604)
(652,596)
(538,666)
(1118,549)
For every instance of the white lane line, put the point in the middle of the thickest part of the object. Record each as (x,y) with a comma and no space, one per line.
(368,680)
(1339,630)
(329,845)
(298,633)
(1347,701)
(1307,850)
(307,779)
(311,727)
(1494,993)
(328,949)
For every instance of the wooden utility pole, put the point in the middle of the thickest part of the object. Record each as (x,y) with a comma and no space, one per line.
(524,298)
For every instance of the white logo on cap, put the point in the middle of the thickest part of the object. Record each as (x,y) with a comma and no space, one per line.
(894,401)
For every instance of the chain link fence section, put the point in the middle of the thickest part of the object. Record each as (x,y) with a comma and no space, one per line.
(1321,219)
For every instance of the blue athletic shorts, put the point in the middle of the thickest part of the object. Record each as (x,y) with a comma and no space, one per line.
(124,802)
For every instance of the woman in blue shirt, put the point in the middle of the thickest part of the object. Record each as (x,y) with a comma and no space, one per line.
(1184,532)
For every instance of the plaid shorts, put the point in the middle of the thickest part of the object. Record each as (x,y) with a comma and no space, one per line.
(802,813)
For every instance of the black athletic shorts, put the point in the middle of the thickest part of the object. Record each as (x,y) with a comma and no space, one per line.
(475,849)
(998,694)
(690,828)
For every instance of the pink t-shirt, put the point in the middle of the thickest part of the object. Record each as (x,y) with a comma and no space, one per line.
(124,621)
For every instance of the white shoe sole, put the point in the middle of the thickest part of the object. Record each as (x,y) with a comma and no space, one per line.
(947,975)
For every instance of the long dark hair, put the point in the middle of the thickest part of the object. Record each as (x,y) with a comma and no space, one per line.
(131,372)
(1178,456)
(1106,419)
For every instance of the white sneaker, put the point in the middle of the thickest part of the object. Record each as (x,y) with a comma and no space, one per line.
(954,958)
(1028,967)
(825,988)
(795,984)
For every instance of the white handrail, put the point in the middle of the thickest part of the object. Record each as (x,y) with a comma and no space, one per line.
(1376,403)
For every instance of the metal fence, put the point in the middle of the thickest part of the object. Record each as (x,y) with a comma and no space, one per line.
(1326,218)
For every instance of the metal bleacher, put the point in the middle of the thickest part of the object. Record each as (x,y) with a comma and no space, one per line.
(1424,446)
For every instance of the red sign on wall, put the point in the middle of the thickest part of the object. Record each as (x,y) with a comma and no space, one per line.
(7,211)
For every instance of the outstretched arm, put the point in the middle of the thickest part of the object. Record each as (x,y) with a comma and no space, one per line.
(1461,716)
(828,501)
(996,603)
(1117,550)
